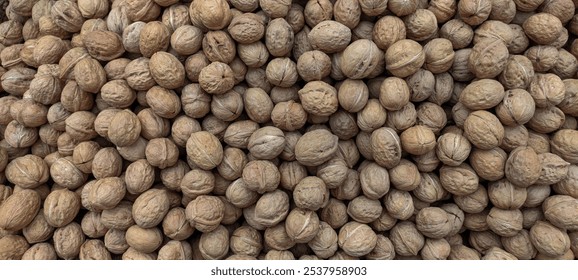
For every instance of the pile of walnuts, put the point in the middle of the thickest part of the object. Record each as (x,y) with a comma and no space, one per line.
(278,129)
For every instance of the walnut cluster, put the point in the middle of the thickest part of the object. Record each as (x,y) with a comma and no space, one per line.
(278,129)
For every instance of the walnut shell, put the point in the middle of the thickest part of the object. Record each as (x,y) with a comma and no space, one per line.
(103,45)
(404,58)
(523,167)
(19,210)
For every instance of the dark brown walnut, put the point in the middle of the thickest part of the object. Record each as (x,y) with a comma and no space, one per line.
(103,45)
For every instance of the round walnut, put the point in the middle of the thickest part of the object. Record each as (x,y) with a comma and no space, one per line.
(483,129)
(388,30)
(360,59)
(329,36)
(205,213)
(523,167)
(204,149)
(316,147)
(261,176)
(61,207)
(124,128)
(439,55)
(406,239)
(271,209)
(543,28)
(518,72)
(19,210)
(418,140)
(404,58)
(482,94)
(357,239)
(560,210)
(474,12)
(548,239)
(302,225)
(488,58)
(504,222)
